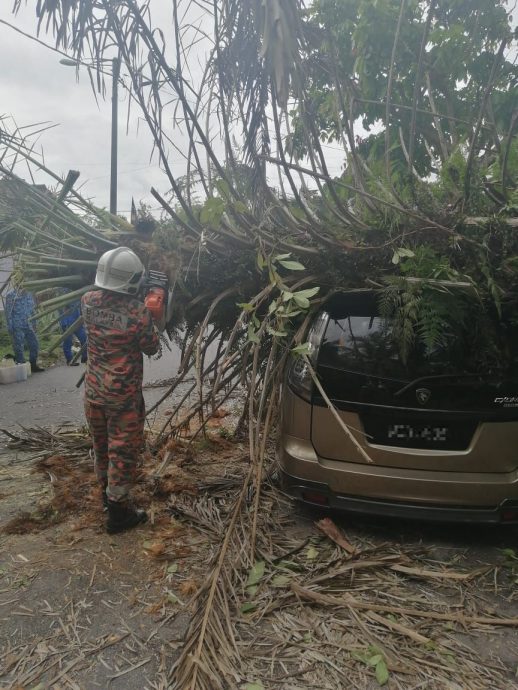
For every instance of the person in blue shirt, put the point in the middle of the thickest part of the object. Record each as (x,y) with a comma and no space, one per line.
(68,316)
(19,308)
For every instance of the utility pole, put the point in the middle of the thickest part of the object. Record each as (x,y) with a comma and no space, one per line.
(116,64)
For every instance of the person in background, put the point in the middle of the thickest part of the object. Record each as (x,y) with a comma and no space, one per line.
(119,329)
(68,316)
(19,308)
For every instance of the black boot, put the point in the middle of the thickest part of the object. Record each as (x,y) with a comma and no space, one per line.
(35,368)
(122,516)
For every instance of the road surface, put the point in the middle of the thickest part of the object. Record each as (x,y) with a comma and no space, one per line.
(51,397)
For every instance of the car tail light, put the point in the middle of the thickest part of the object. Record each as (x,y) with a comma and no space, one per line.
(315,497)
(509,514)
(299,377)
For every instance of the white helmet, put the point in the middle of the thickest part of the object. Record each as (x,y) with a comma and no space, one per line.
(120,270)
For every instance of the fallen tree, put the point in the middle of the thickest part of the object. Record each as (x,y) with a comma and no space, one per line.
(419,101)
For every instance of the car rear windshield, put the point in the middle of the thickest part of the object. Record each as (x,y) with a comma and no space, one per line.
(473,368)
(358,339)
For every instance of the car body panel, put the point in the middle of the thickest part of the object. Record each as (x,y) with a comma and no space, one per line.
(378,480)
(439,432)
(493,446)
(319,495)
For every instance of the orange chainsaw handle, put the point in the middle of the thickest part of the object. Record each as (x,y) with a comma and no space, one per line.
(155,301)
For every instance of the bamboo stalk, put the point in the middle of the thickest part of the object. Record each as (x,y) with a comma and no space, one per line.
(53,282)
(351,602)
(65,299)
(69,331)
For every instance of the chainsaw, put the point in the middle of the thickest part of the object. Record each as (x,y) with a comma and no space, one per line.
(158,296)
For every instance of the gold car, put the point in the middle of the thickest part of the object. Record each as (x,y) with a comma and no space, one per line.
(442,435)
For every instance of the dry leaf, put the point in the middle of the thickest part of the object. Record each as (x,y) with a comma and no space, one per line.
(188,587)
(155,549)
(328,527)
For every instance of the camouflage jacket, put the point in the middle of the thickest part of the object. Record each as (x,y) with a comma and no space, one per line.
(69,314)
(119,329)
(19,307)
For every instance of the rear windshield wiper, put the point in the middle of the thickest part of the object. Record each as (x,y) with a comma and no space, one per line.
(435,377)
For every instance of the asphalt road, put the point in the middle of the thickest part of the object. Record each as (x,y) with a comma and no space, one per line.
(51,397)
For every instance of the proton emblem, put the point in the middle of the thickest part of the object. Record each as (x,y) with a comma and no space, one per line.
(423,395)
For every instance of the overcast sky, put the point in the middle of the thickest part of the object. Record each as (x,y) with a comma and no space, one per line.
(34,87)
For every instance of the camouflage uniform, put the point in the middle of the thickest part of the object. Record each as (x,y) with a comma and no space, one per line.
(67,317)
(119,330)
(19,308)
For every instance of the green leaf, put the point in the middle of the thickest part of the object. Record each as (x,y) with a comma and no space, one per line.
(373,661)
(281,257)
(172,598)
(255,573)
(286,296)
(292,265)
(302,349)
(173,568)
(261,261)
(246,306)
(308,293)
(212,211)
(252,337)
(281,580)
(301,302)
(240,207)
(401,253)
(252,590)
(382,673)
(223,188)
(248,607)
(277,334)
(254,686)
(311,553)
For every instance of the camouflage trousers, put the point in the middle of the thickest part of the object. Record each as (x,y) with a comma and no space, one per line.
(118,438)
(21,337)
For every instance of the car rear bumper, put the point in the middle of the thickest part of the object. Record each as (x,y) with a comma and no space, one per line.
(392,492)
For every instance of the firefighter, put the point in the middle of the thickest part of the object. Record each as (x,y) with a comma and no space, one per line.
(119,330)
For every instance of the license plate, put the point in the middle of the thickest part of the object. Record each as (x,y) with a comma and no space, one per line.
(417,432)
(410,432)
